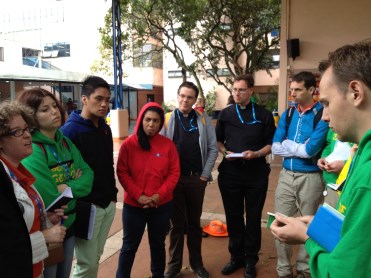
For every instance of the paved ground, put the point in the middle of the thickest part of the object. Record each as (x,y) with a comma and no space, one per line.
(214,249)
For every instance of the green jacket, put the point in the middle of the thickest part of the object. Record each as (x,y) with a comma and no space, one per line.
(46,165)
(352,256)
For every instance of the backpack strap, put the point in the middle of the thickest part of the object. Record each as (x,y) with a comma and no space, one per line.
(41,146)
(289,114)
(202,116)
(317,117)
(167,118)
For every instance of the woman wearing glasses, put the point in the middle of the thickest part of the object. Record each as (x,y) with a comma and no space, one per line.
(15,144)
(57,164)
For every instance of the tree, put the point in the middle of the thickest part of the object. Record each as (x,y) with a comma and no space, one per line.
(230,34)
(235,34)
(154,22)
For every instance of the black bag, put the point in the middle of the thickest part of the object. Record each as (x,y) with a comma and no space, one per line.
(85,217)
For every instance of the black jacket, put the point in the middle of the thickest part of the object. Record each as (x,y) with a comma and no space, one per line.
(15,243)
(96,147)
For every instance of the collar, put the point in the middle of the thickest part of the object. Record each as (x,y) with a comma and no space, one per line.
(300,109)
(21,173)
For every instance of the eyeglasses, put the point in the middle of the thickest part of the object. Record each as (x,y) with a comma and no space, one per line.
(239,91)
(19,132)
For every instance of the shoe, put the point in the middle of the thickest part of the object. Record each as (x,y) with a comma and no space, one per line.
(201,272)
(302,274)
(250,271)
(286,276)
(171,274)
(231,267)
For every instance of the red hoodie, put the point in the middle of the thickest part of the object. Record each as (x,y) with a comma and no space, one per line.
(148,172)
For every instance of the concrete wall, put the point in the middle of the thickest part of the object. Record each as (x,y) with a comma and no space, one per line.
(321,26)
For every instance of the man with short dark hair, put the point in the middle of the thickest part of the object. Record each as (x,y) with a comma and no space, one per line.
(93,137)
(245,131)
(300,186)
(194,137)
(345,92)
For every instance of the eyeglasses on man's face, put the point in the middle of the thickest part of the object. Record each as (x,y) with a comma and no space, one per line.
(19,132)
(239,91)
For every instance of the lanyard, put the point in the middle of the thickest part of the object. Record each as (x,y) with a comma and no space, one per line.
(31,196)
(192,128)
(254,121)
(40,207)
(64,164)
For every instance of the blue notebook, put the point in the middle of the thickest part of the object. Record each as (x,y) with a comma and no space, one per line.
(325,227)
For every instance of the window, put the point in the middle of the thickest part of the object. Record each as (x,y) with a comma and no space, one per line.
(176,74)
(1,54)
(59,49)
(147,56)
(275,54)
(220,72)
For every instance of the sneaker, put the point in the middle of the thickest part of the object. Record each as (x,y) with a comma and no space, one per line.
(302,274)
(201,272)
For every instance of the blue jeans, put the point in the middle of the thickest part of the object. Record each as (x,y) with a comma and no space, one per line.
(63,269)
(134,221)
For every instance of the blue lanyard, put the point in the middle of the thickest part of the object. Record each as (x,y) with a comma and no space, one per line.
(64,164)
(40,207)
(192,128)
(254,121)
(33,196)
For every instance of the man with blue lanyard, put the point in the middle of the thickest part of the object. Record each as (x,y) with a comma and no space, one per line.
(300,185)
(194,137)
(244,133)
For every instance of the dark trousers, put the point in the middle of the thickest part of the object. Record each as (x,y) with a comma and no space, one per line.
(134,221)
(241,196)
(187,208)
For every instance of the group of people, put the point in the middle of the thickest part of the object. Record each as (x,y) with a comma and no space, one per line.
(245,133)
(39,161)
(164,168)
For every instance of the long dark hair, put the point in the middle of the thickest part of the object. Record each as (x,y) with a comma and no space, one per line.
(143,139)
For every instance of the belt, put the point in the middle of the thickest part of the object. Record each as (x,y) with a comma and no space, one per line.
(191,174)
(313,172)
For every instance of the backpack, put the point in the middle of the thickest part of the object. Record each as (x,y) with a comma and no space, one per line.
(290,112)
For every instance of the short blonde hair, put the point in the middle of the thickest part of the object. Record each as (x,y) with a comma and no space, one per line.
(10,109)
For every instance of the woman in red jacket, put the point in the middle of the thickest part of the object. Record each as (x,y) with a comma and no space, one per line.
(148,169)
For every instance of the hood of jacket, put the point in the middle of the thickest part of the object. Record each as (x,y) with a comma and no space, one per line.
(142,112)
(38,137)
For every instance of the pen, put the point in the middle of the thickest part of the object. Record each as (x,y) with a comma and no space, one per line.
(62,221)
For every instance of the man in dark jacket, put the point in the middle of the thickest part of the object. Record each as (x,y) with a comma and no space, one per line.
(93,137)
(16,252)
